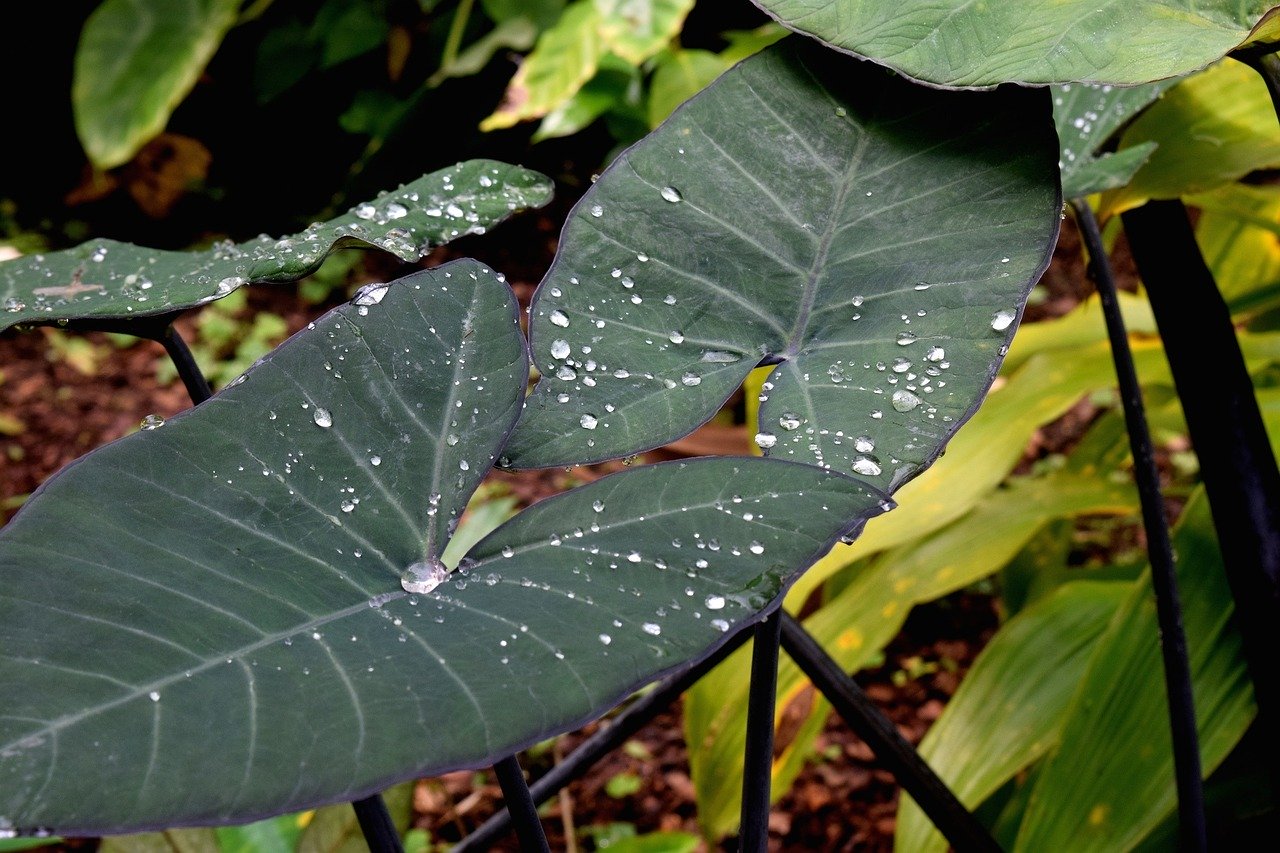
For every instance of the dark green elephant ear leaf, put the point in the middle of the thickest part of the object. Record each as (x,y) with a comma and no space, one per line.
(107,280)
(875,237)
(965,44)
(181,605)
(244,611)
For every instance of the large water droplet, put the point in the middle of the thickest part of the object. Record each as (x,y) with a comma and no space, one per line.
(901,365)
(322,417)
(651,628)
(370,294)
(867,466)
(588,421)
(905,338)
(789,420)
(152,422)
(366,211)
(715,356)
(395,210)
(558,318)
(691,379)
(864,444)
(905,401)
(423,576)
(1002,320)
(765,440)
(935,354)
(715,602)
(672,195)
(560,349)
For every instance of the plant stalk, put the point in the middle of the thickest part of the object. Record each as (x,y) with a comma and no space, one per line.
(916,777)
(453,41)
(183,359)
(757,770)
(377,826)
(1164,577)
(638,715)
(520,805)
(1226,428)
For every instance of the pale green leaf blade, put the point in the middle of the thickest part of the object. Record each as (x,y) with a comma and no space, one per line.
(1011,704)
(564,58)
(961,43)
(884,261)
(1211,129)
(1110,781)
(637,29)
(1239,235)
(679,76)
(335,829)
(136,61)
(107,280)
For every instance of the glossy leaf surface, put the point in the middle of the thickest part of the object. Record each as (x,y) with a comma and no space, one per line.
(962,43)
(243,647)
(137,59)
(1087,115)
(884,260)
(108,280)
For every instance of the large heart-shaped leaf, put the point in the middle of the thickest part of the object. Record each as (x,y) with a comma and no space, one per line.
(244,611)
(107,280)
(136,61)
(962,43)
(876,237)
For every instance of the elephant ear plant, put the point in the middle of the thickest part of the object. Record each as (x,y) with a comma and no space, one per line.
(245,610)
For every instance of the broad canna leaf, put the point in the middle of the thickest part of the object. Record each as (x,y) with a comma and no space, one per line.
(965,44)
(884,261)
(1110,781)
(106,280)
(136,61)
(244,611)
(1011,705)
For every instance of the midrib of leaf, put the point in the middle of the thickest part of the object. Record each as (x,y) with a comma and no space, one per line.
(799,330)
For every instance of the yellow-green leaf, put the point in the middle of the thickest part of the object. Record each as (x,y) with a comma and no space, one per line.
(1239,234)
(637,29)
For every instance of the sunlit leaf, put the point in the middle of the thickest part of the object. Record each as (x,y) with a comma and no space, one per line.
(962,43)
(637,29)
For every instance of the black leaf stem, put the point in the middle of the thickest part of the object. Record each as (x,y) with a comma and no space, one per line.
(377,826)
(520,805)
(180,354)
(1237,466)
(757,771)
(868,722)
(1164,578)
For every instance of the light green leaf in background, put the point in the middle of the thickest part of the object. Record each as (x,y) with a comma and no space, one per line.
(681,74)
(335,829)
(1212,129)
(169,841)
(107,280)
(136,61)
(1087,115)
(1239,234)
(563,60)
(1011,704)
(613,86)
(964,43)
(1110,781)
(884,262)
(637,29)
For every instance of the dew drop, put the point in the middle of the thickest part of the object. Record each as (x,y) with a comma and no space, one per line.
(322,417)
(633,557)
(864,444)
(720,625)
(588,421)
(423,576)
(715,602)
(395,210)
(676,337)
(606,639)
(935,354)
(905,338)
(154,695)
(651,628)
(904,401)
(765,440)
(598,506)
(715,356)
(560,348)
(867,466)
(366,211)
(672,195)
(152,422)
(370,294)
(597,211)
(1002,320)
(559,318)
(691,379)
(789,420)
(901,365)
